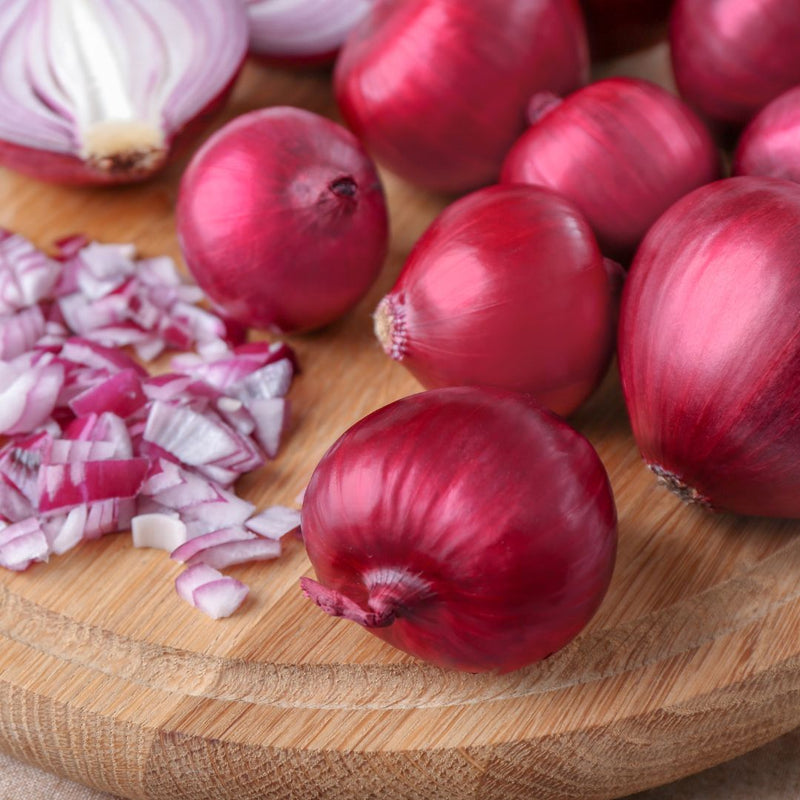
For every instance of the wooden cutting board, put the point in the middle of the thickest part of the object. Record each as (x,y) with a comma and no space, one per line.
(108,678)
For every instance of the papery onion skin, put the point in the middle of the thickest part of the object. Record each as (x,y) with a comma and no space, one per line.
(732,57)
(484,525)
(618,27)
(282,220)
(43,136)
(623,150)
(506,288)
(437,89)
(770,145)
(709,347)
(301,33)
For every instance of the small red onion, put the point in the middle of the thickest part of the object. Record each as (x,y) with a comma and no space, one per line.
(709,346)
(94,92)
(770,145)
(466,526)
(437,89)
(301,32)
(732,57)
(282,220)
(623,150)
(617,27)
(507,288)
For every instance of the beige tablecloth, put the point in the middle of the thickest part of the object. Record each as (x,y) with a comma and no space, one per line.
(770,773)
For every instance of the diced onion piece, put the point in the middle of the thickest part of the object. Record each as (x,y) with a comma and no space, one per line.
(22,543)
(191,547)
(19,332)
(238,552)
(271,416)
(29,395)
(161,531)
(65,532)
(220,598)
(26,274)
(274,522)
(121,394)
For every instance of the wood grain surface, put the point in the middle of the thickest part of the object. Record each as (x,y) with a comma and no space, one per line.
(108,678)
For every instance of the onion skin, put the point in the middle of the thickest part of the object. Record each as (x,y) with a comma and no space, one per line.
(732,57)
(506,288)
(770,145)
(709,347)
(437,89)
(485,526)
(282,220)
(623,150)
(618,27)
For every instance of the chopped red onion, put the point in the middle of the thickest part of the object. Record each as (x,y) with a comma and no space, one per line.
(112,448)
(190,548)
(161,531)
(21,543)
(121,393)
(29,394)
(210,591)
(242,551)
(274,522)
(27,276)
(20,332)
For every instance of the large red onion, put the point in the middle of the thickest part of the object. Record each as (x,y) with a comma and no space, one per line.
(770,145)
(466,526)
(438,88)
(709,346)
(507,288)
(301,32)
(731,57)
(96,92)
(617,27)
(282,219)
(623,150)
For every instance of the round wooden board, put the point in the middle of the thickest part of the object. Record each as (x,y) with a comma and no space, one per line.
(108,678)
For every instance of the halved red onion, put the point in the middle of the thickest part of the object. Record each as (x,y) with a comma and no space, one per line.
(302,31)
(210,591)
(94,92)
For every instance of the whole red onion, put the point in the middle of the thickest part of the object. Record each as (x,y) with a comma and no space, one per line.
(770,145)
(617,27)
(709,346)
(437,89)
(731,57)
(282,219)
(466,526)
(101,93)
(623,150)
(507,288)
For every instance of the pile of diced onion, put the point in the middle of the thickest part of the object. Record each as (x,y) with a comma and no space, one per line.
(92,443)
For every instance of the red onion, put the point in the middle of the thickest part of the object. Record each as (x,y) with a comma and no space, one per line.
(99,93)
(212,592)
(282,220)
(466,526)
(507,288)
(770,145)
(731,57)
(301,32)
(438,88)
(617,27)
(623,150)
(709,346)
